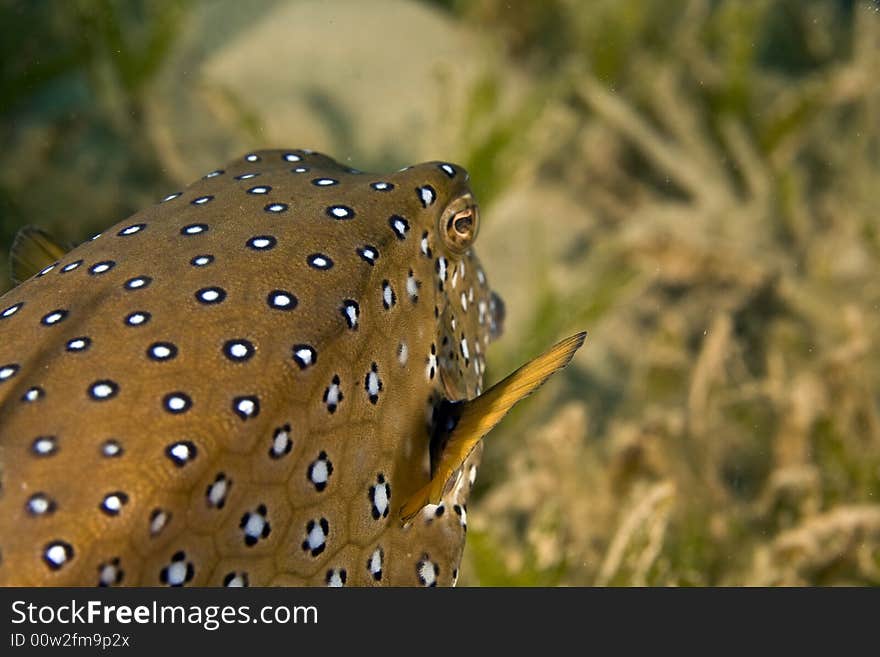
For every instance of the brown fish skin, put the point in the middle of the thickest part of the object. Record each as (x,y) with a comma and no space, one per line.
(235,386)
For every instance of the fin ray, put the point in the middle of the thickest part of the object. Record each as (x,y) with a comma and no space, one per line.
(480,415)
(32,250)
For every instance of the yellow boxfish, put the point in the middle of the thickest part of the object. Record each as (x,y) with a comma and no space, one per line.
(273,377)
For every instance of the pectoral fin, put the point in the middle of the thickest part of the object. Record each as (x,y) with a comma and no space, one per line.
(473,419)
(33,249)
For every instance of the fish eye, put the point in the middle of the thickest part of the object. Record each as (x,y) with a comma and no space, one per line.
(459,224)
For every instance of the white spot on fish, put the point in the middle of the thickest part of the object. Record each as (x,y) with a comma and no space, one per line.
(427,571)
(373,384)
(340,212)
(388,298)
(319,261)
(111,448)
(336,577)
(374,564)
(137,283)
(103,390)
(181,452)
(369,254)
(39,504)
(402,353)
(136,319)
(158,520)
(380,495)
(316,536)
(32,394)
(351,311)
(281,300)
(399,225)
(109,573)
(178,572)
(427,195)
(246,407)
(281,442)
(7,372)
(11,310)
(255,525)
(113,503)
(319,471)
(237,580)
(412,286)
(217,491)
(304,356)
(57,554)
(431,367)
(333,395)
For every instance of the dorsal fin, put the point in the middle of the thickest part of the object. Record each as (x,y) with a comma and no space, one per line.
(32,250)
(473,419)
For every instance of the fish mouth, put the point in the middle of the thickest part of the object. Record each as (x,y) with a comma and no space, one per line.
(497,313)
(445,418)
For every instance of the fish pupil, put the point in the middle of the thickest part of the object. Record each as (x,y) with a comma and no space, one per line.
(463,224)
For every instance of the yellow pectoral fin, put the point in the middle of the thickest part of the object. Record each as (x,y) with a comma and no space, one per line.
(32,250)
(478,416)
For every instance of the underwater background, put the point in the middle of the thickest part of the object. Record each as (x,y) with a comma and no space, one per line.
(694,182)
